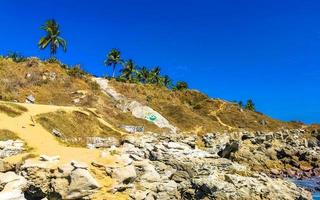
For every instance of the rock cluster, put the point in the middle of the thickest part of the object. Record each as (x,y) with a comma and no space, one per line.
(286,153)
(10,148)
(42,179)
(170,167)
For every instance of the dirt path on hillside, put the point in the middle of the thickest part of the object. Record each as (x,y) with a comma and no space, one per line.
(43,142)
(214,113)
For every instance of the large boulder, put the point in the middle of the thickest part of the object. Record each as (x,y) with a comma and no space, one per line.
(13,186)
(81,184)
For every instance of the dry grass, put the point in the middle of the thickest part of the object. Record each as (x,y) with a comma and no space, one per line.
(75,126)
(15,85)
(192,111)
(8,135)
(11,109)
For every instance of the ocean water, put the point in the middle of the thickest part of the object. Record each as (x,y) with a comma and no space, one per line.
(309,184)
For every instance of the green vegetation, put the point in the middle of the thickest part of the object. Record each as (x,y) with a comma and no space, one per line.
(8,135)
(132,73)
(181,85)
(76,71)
(16,57)
(113,59)
(52,37)
(128,72)
(250,105)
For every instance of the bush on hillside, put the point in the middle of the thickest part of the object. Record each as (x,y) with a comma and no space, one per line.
(76,71)
(53,60)
(181,85)
(250,105)
(16,57)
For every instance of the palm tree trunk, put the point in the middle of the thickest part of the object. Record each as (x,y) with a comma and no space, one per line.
(114,67)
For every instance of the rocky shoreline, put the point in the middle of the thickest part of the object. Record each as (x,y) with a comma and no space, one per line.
(171,167)
(238,165)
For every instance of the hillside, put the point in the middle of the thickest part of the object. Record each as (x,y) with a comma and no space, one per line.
(73,141)
(190,110)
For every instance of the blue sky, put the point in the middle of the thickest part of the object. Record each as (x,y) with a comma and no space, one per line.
(267,50)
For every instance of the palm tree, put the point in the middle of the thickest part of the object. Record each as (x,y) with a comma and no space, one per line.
(113,58)
(167,81)
(143,75)
(155,76)
(52,38)
(129,69)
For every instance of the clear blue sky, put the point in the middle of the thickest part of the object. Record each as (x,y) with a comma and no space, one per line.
(267,50)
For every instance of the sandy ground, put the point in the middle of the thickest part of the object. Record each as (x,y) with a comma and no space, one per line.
(43,142)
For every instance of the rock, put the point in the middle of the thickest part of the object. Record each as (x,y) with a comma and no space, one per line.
(12,195)
(81,184)
(180,176)
(124,174)
(61,186)
(13,186)
(137,109)
(10,148)
(30,99)
(175,145)
(76,100)
(78,165)
(98,142)
(49,158)
(6,166)
(148,171)
(231,147)
(57,133)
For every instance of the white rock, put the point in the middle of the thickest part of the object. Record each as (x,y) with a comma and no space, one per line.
(49,158)
(12,195)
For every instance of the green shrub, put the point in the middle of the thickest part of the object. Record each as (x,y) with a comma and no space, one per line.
(16,57)
(76,71)
(181,85)
(53,60)
(250,105)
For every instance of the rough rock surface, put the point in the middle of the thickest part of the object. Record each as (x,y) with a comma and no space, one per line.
(71,181)
(10,148)
(137,109)
(169,167)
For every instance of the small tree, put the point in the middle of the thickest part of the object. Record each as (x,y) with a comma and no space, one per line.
(250,105)
(240,103)
(181,85)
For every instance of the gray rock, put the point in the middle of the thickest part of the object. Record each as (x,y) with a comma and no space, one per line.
(124,174)
(81,184)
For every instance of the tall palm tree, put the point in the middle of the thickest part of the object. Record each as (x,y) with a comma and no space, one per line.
(52,38)
(113,58)
(128,70)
